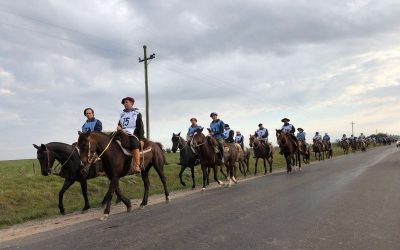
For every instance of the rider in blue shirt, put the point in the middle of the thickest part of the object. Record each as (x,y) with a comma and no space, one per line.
(217,132)
(91,124)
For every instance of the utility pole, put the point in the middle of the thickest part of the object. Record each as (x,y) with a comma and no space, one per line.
(352,124)
(145,59)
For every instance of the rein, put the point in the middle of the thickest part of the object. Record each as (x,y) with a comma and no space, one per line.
(62,165)
(92,158)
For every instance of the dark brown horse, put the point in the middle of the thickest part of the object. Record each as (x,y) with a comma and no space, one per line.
(68,156)
(345,146)
(318,148)
(116,164)
(205,147)
(305,151)
(289,149)
(327,149)
(265,152)
(187,156)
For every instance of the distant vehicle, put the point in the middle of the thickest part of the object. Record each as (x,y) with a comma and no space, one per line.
(398,143)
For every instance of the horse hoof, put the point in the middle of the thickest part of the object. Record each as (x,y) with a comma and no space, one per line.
(193,188)
(104,217)
(129,209)
(84,211)
(203,189)
(167,201)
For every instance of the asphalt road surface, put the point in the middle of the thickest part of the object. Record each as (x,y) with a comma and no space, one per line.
(350,202)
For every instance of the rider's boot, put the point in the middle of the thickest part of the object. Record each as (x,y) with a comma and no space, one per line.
(135,164)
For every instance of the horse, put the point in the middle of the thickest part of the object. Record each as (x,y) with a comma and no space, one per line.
(305,151)
(205,147)
(68,157)
(318,148)
(265,152)
(344,144)
(117,164)
(353,144)
(243,160)
(361,145)
(187,156)
(289,149)
(327,149)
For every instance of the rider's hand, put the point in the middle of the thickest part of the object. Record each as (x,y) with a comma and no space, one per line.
(141,144)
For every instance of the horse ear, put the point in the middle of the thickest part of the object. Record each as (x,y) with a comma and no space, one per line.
(43,147)
(201,130)
(179,134)
(79,132)
(35,146)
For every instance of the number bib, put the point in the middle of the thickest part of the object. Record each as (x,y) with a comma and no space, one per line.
(128,121)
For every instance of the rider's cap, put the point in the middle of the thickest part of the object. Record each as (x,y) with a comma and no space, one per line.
(260,124)
(238,132)
(226,125)
(191,119)
(317,132)
(300,129)
(285,119)
(213,113)
(127,98)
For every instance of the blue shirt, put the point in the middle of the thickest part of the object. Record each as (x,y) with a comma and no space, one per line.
(92,125)
(217,128)
(301,136)
(192,130)
(326,138)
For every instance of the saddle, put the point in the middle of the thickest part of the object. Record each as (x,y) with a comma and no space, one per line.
(122,140)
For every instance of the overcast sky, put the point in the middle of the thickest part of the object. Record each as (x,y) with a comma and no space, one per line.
(322,64)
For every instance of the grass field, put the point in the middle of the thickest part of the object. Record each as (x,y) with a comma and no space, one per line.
(26,195)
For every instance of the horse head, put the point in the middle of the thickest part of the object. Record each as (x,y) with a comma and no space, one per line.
(198,138)
(176,141)
(46,159)
(87,147)
(252,141)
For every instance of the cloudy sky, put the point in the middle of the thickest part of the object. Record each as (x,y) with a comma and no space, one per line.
(322,64)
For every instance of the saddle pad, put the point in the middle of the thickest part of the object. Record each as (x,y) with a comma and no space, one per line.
(127,153)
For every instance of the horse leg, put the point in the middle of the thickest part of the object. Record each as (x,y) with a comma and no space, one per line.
(106,198)
(270,161)
(146,185)
(205,174)
(124,199)
(85,196)
(111,189)
(255,166)
(216,175)
(180,175)
(265,166)
(66,185)
(160,172)
(222,171)
(193,179)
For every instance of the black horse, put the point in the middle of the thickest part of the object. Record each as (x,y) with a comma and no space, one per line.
(187,156)
(68,156)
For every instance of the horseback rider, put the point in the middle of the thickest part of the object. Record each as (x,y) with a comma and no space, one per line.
(262,134)
(317,137)
(361,137)
(217,132)
(228,134)
(192,129)
(131,123)
(351,137)
(326,138)
(301,135)
(91,124)
(344,137)
(239,138)
(288,129)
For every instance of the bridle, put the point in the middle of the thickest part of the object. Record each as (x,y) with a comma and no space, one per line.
(93,158)
(62,165)
(181,142)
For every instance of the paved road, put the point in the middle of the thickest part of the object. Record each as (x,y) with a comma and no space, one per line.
(350,202)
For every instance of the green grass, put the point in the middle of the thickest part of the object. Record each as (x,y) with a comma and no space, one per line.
(25,195)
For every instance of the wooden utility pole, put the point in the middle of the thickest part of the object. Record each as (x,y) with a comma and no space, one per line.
(145,59)
(352,125)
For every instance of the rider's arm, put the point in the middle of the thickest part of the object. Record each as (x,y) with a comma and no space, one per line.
(98,126)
